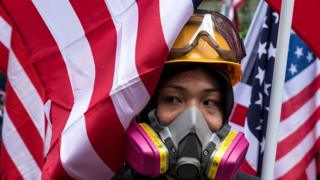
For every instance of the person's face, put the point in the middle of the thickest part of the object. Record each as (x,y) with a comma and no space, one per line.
(187,89)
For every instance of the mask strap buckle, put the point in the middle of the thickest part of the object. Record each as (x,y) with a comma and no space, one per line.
(154,122)
(224,131)
(166,137)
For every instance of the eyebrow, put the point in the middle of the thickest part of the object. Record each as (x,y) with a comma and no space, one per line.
(180,88)
(211,90)
(174,87)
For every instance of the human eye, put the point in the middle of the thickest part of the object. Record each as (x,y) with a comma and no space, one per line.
(211,103)
(174,100)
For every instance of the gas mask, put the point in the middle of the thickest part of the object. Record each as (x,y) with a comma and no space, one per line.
(185,149)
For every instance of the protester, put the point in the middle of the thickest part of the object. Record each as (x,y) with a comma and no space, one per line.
(183,133)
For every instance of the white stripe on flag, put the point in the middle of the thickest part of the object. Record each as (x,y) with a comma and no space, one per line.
(236,127)
(26,93)
(170,15)
(311,170)
(127,86)
(252,154)
(18,151)
(79,157)
(242,94)
(287,162)
(5,33)
(299,117)
(236,2)
(303,79)
(118,7)
(47,142)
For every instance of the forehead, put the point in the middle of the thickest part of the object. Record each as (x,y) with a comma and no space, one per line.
(194,78)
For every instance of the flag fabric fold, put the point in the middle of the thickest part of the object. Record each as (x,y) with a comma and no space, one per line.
(77,73)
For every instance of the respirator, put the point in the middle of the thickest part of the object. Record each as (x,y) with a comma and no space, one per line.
(185,149)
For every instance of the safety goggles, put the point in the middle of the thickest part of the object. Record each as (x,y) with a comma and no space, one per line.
(209,25)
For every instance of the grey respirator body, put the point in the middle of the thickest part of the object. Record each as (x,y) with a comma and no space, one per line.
(185,149)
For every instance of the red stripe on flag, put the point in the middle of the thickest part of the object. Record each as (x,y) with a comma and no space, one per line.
(237,5)
(245,167)
(239,115)
(107,133)
(297,101)
(24,126)
(298,170)
(150,37)
(53,168)
(8,169)
(287,144)
(4,54)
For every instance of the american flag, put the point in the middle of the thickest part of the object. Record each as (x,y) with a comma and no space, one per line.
(303,21)
(299,130)
(77,73)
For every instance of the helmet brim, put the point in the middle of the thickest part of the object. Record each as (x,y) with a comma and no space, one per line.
(231,68)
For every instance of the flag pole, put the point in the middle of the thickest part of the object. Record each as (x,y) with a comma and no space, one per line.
(277,89)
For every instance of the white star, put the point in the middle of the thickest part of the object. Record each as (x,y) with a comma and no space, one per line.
(259,101)
(276,16)
(293,69)
(262,143)
(299,52)
(260,124)
(309,57)
(271,51)
(266,108)
(260,75)
(258,127)
(266,87)
(264,23)
(262,49)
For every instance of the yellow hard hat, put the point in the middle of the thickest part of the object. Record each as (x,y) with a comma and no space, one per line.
(209,38)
